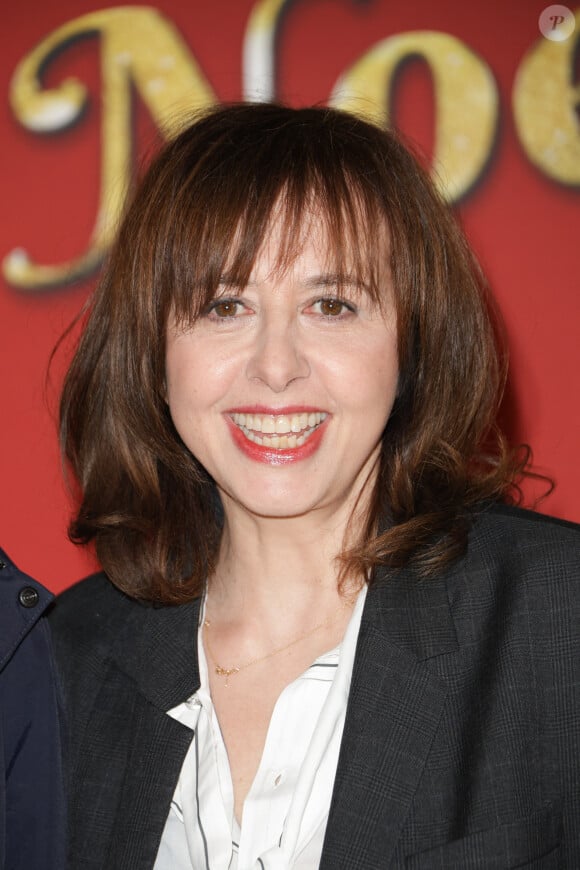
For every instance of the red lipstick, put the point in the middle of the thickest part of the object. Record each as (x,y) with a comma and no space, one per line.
(273,455)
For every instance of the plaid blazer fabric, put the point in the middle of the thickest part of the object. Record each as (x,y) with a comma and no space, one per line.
(461,747)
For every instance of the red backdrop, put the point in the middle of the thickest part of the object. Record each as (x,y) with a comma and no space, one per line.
(477,85)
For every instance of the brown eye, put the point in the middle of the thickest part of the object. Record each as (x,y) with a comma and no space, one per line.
(332,307)
(224,308)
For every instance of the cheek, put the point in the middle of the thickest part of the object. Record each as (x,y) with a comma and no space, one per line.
(367,377)
(183,395)
(197,387)
(387,375)
(378,392)
(384,363)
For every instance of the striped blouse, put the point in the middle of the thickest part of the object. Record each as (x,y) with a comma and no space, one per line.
(286,809)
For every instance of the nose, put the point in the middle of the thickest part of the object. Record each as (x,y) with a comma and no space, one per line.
(277,358)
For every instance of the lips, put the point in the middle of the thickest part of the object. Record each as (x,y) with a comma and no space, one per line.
(279,431)
(277,438)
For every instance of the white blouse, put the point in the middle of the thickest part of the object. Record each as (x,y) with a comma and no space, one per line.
(286,809)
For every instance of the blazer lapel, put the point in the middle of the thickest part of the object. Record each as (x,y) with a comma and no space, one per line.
(394,708)
(132,752)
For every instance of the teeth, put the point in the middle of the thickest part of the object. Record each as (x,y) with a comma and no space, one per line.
(279,431)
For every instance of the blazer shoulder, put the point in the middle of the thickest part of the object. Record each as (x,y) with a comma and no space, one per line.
(519,516)
(92,600)
(86,620)
(516,532)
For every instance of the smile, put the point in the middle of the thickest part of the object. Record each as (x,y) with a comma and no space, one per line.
(280,431)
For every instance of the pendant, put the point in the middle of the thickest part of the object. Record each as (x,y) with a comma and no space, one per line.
(225,672)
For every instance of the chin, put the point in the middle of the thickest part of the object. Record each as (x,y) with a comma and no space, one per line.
(273,505)
(271,509)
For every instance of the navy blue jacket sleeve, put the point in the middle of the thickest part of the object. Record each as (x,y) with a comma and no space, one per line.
(32,810)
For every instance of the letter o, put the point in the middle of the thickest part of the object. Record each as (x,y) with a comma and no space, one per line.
(465,91)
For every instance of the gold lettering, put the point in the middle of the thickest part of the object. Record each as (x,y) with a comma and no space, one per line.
(545,103)
(138,45)
(465,92)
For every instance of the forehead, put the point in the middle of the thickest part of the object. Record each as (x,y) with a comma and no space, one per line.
(314,239)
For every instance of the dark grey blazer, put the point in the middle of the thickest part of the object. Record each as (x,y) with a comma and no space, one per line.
(461,747)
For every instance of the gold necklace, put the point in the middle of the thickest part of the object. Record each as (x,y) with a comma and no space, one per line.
(231,672)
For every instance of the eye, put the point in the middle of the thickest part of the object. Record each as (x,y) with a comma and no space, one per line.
(224,309)
(331,306)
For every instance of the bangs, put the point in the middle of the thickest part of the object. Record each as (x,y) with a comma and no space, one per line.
(237,191)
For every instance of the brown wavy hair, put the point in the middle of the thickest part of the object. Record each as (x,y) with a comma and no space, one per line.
(204,207)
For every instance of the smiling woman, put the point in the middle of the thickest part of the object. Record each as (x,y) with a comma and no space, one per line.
(328,631)
(299,378)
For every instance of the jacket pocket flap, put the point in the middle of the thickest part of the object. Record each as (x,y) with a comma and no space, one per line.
(532,843)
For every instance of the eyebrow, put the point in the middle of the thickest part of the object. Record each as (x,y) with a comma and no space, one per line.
(324,279)
(336,279)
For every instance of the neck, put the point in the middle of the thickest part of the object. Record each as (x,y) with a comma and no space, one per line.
(266,564)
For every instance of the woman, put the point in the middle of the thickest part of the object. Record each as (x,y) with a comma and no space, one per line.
(319,639)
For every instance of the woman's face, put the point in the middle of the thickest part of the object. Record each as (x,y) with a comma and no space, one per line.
(283,387)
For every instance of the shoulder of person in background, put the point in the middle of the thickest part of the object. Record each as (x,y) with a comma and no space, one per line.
(32,832)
